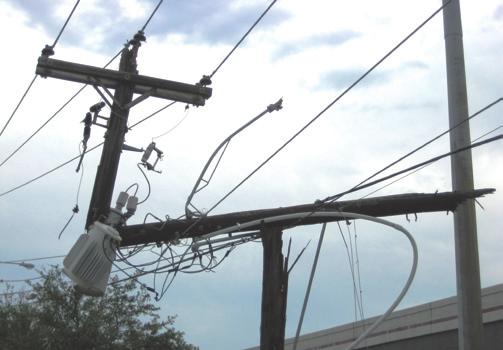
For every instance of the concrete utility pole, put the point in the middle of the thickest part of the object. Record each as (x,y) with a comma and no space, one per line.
(465,229)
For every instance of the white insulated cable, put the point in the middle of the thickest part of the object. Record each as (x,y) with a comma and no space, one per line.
(344,215)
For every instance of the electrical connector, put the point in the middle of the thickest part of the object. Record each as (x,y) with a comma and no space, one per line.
(115,216)
(132,204)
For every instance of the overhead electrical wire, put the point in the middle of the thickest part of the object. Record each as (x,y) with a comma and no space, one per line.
(49,171)
(135,124)
(75,209)
(413,167)
(219,65)
(64,25)
(242,39)
(78,91)
(152,114)
(63,106)
(344,215)
(415,150)
(421,168)
(358,305)
(372,68)
(35,259)
(18,104)
(35,77)
(151,15)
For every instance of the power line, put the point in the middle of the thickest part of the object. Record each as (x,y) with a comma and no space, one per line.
(151,15)
(35,77)
(48,172)
(64,25)
(413,167)
(421,168)
(18,104)
(330,105)
(490,105)
(77,157)
(36,259)
(52,116)
(153,114)
(243,38)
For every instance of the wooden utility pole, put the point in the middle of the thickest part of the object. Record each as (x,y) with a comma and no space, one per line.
(275,267)
(114,139)
(126,82)
(410,203)
(274,286)
(470,329)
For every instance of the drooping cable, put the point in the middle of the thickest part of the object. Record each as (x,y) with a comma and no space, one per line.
(18,104)
(309,285)
(75,209)
(148,184)
(345,216)
(358,274)
(187,109)
(349,252)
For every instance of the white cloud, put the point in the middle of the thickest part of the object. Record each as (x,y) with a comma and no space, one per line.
(371,126)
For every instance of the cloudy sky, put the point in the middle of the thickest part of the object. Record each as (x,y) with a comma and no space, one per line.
(305,52)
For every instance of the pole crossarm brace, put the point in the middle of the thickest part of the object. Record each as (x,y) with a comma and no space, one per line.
(112,79)
(411,203)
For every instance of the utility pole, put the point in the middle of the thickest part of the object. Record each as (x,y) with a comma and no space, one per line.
(126,82)
(274,291)
(465,228)
(114,138)
(275,267)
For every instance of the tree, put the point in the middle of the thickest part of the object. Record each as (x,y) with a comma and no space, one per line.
(59,317)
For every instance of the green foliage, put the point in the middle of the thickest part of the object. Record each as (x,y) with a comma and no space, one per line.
(59,317)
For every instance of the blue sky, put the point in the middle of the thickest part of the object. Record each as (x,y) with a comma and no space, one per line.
(305,52)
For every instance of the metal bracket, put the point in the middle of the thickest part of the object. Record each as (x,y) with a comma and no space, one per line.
(146,156)
(139,99)
(95,109)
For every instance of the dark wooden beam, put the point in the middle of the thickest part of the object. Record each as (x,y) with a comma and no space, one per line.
(377,206)
(274,282)
(81,73)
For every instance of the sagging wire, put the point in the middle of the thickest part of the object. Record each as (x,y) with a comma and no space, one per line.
(355,272)
(75,210)
(148,183)
(133,185)
(188,261)
(187,110)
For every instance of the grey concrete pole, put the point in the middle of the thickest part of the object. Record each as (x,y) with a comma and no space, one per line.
(465,228)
